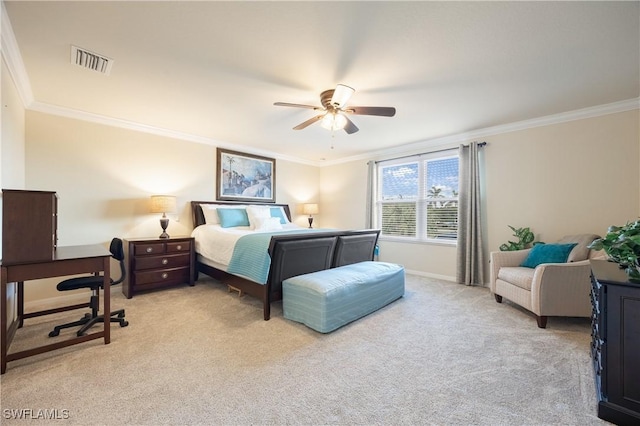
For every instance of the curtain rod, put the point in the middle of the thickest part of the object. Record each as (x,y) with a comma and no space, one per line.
(480,145)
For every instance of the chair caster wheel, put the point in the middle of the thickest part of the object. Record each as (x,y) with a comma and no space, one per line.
(124,323)
(54,333)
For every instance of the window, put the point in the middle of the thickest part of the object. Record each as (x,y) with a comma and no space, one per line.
(417,198)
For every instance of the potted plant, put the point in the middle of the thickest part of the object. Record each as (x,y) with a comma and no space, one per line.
(622,245)
(525,238)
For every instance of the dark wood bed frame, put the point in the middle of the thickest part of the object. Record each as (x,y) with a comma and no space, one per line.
(294,254)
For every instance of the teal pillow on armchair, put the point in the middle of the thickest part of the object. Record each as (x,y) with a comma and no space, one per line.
(548,253)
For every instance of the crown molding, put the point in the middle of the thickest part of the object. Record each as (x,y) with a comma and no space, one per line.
(15,64)
(453,140)
(408,148)
(13,59)
(158,131)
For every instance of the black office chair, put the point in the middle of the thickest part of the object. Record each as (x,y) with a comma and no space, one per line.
(95,283)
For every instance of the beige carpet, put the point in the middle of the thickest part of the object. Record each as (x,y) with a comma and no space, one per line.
(444,354)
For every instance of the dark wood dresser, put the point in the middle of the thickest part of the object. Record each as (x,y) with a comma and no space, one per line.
(29,225)
(158,262)
(615,347)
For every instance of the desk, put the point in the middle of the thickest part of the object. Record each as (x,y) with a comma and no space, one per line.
(66,261)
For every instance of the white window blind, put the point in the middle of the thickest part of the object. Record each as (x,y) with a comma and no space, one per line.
(418,197)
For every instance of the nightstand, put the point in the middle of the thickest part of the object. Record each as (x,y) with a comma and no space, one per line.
(154,263)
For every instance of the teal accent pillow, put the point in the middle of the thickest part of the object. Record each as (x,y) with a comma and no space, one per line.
(277,212)
(233,217)
(548,253)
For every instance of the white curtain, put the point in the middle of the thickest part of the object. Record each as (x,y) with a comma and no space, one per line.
(470,258)
(371,191)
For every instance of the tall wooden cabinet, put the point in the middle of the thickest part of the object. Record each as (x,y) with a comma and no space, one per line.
(615,346)
(29,225)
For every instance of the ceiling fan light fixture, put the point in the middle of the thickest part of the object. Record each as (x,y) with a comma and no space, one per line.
(339,121)
(333,121)
(334,115)
(341,95)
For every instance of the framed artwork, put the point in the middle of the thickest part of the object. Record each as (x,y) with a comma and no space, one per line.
(245,177)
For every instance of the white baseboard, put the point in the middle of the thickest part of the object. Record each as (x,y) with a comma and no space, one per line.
(440,277)
(60,301)
(430,275)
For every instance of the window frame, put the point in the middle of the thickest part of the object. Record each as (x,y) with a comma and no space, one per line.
(421,201)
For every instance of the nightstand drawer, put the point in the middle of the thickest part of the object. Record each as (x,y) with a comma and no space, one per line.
(180,247)
(148,248)
(157,262)
(165,276)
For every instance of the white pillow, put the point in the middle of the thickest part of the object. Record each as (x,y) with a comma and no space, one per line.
(267,223)
(257,212)
(283,219)
(210,212)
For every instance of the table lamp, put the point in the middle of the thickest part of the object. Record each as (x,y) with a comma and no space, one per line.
(310,209)
(163,204)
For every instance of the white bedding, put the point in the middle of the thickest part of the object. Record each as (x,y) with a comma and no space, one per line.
(216,243)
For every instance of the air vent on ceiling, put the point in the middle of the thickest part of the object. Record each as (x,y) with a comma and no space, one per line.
(90,60)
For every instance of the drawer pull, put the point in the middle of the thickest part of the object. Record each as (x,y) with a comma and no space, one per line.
(164,275)
(179,247)
(165,261)
(149,249)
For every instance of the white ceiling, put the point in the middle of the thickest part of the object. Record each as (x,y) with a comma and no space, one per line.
(211,71)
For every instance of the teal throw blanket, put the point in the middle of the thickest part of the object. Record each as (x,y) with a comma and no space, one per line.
(250,258)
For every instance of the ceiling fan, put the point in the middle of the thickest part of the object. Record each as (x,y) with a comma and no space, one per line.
(334,113)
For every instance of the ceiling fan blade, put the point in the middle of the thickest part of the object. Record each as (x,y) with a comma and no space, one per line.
(296,105)
(350,127)
(380,111)
(341,95)
(308,122)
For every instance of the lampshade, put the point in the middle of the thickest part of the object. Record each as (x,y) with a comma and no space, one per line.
(341,95)
(310,209)
(163,204)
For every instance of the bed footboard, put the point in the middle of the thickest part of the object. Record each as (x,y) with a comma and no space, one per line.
(293,255)
(355,247)
(298,254)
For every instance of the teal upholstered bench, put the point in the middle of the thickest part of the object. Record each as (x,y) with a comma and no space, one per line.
(328,299)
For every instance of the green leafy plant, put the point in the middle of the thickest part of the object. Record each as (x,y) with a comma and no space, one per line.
(622,245)
(525,239)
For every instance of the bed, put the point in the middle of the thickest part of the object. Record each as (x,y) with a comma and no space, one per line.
(290,250)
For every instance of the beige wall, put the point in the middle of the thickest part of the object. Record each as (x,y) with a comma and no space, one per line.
(104,176)
(12,160)
(12,156)
(298,184)
(578,176)
(574,177)
(343,195)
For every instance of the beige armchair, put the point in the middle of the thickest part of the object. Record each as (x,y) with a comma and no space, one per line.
(549,289)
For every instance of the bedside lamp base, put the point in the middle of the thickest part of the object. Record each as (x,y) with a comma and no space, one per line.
(164,222)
